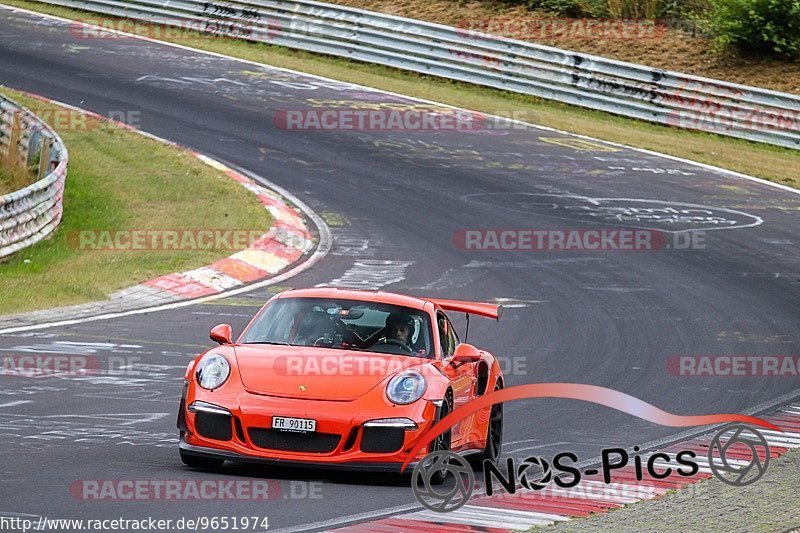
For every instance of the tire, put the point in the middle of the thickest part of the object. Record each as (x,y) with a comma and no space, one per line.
(494,436)
(443,441)
(195,461)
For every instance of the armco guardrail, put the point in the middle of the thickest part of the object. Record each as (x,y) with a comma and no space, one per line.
(637,91)
(30,214)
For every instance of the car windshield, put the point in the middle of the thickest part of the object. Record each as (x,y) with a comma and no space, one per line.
(343,324)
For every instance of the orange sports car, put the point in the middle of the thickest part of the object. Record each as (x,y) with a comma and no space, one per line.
(339,378)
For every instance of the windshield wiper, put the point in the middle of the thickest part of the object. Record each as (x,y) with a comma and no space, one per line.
(271,342)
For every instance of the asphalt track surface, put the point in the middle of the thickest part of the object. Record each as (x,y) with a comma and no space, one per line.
(605,317)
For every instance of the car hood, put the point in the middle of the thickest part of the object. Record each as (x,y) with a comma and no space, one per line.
(316,373)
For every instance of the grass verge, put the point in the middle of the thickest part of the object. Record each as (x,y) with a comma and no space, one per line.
(773,163)
(769,504)
(13,178)
(119,180)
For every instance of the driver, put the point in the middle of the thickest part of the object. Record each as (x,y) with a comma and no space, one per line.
(400,327)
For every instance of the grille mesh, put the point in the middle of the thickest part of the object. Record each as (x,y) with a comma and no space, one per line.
(294,442)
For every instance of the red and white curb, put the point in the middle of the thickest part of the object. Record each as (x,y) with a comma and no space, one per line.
(526,509)
(285,243)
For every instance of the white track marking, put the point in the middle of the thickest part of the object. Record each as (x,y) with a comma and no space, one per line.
(609,214)
(487,519)
(783,443)
(778,444)
(77,348)
(360,517)
(510,513)
(371,275)
(788,435)
(12,404)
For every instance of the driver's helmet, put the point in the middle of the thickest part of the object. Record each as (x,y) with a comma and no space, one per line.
(404,320)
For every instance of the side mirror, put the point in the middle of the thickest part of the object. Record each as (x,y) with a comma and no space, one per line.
(221,334)
(466,353)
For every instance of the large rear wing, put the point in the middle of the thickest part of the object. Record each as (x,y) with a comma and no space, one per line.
(472,308)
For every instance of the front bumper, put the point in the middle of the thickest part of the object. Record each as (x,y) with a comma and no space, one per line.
(346,435)
(214,453)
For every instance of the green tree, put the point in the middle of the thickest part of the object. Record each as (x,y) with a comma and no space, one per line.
(764,26)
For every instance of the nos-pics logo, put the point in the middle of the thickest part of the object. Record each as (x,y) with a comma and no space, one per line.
(443,481)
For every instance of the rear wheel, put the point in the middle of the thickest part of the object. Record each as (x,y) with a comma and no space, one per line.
(195,461)
(494,435)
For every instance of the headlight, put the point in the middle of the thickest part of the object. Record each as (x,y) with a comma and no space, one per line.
(406,387)
(212,371)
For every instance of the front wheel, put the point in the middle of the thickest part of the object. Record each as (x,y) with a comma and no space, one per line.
(494,435)
(442,442)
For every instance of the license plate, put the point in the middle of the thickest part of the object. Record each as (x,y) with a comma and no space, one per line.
(294,424)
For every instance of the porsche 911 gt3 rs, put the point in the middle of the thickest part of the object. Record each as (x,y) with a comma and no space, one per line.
(339,379)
